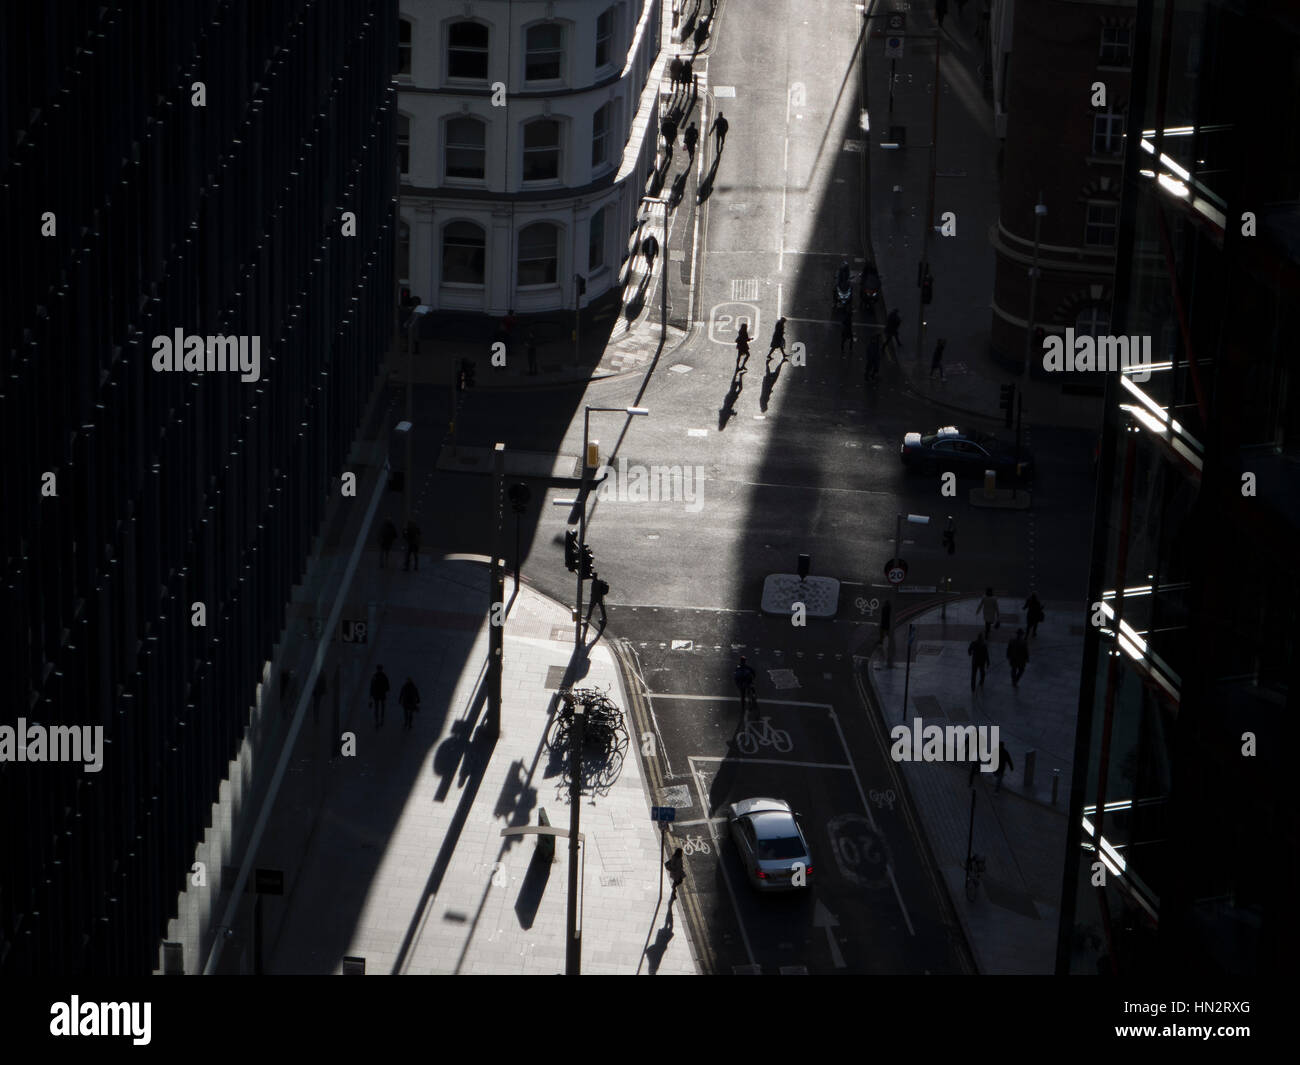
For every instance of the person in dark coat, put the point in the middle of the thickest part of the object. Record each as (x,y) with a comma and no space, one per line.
(676,866)
(979,659)
(599,589)
(719,130)
(691,136)
(778,339)
(379,694)
(742,342)
(1033,614)
(387,537)
(936,363)
(412,535)
(1018,656)
(1004,763)
(409,697)
(669,129)
(675,73)
(891,328)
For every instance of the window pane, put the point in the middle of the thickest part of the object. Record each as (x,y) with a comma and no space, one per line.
(403,252)
(537,254)
(465,153)
(604,31)
(545,49)
(467,51)
(404,143)
(463,253)
(600,136)
(403,47)
(596,241)
(541,151)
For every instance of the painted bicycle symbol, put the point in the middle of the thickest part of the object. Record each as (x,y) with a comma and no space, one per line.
(883,797)
(695,845)
(760,733)
(864,605)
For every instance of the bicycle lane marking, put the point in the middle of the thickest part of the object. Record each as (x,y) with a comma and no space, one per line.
(717,847)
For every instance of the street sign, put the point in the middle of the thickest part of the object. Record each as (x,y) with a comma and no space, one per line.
(894,21)
(663,813)
(894,46)
(895,571)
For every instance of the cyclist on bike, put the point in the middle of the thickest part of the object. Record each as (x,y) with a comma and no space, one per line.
(744,678)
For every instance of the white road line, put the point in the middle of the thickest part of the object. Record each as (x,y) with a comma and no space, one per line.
(814,488)
(726,876)
(872,820)
(695,823)
(767,761)
(650,702)
(736,699)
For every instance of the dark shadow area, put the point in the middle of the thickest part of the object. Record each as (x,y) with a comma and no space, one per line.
(533,888)
(728,408)
(769,383)
(654,952)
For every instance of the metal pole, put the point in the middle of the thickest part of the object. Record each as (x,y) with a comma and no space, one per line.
(663,848)
(573,945)
(1039,211)
(970,834)
(893,64)
(496,590)
(582,525)
(893,591)
(410,391)
(907,676)
(929,214)
(663,266)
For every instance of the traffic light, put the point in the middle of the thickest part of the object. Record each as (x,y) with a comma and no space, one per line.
(588,563)
(927,288)
(1007,401)
(571,551)
(950,538)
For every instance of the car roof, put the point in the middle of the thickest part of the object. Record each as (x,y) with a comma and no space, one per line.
(774,824)
(748,807)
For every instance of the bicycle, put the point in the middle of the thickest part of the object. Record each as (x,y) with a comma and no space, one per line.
(760,733)
(748,697)
(974,870)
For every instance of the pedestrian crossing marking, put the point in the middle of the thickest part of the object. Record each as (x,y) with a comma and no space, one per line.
(744,288)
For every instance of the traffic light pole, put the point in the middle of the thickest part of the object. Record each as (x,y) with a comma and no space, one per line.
(929,211)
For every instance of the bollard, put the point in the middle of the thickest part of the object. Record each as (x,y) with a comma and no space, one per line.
(545,844)
(1030,758)
(990,483)
(1056,784)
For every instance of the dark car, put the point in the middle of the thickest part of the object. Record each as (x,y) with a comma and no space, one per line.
(965,453)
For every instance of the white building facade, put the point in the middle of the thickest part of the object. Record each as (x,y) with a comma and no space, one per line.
(527,131)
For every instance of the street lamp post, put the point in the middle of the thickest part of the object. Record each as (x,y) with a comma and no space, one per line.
(929,211)
(417,314)
(1040,211)
(913,519)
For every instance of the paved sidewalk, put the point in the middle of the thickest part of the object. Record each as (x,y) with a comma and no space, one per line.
(1012,924)
(405,864)
(967,184)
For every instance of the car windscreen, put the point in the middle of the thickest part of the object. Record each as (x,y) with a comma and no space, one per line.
(775,850)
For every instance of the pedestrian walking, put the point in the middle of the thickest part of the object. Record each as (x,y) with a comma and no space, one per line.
(936,361)
(688,77)
(599,589)
(988,606)
(1033,614)
(1018,656)
(892,324)
(668,127)
(676,866)
(387,537)
(650,248)
(675,73)
(719,130)
(532,352)
(873,359)
(409,697)
(778,339)
(691,135)
(412,537)
(742,342)
(317,694)
(379,694)
(979,659)
(1004,763)
(846,332)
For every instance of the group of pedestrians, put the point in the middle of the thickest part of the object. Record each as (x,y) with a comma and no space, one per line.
(388,537)
(1017,653)
(408,698)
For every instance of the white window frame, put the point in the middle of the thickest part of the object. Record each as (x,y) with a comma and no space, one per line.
(486,52)
(455,179)
(562,51)
(558,149)
(1090,223)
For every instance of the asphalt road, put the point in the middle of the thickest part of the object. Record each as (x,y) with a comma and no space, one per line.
(801,460)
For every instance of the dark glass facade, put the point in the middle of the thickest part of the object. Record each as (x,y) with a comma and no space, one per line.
(1182,782)
(170,489)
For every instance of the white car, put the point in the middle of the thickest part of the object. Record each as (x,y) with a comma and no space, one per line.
(771,844)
